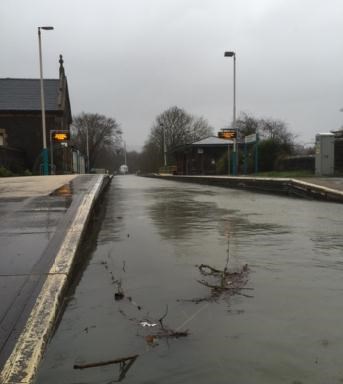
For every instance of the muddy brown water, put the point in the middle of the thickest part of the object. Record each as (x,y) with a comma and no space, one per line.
(151,236)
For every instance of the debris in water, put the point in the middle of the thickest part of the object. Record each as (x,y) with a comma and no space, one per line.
(225,281)
(125,364)
(220,281)
(119,295)
(134,303)
(165,332)
(151,339)
(147,324)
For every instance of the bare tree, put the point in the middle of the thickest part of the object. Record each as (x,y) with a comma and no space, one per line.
(276,141)
(177,127)
(277,131)
(247,124)
(200,129)
(104,137)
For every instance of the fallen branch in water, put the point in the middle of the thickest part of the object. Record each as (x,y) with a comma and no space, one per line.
(164,332)
(103,363)
(195,300)
(220,287)
(167,333)
(206,269)
(171,333)
(163,317)
(119,295)
(125,364)
(220,281)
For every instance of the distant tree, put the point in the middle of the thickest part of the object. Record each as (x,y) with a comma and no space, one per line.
(304,150)
(104,138)
(277,131)
(133,161)
(150,158)
(277,142)
(275,139)
(178,127)
(247,124)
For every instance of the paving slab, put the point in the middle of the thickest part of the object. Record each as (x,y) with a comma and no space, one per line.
(40,215)
(14,187)
(328,182)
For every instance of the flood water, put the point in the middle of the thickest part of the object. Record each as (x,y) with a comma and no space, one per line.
(152,236)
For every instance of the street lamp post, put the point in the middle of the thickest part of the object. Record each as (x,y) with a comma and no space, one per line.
(87,148)
(125,156)
(45,149)
(235,149)
(164,145)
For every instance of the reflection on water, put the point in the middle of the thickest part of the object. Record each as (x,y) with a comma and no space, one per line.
(179,215)
(154,235)
(64,193)
(113,224)
(65,190)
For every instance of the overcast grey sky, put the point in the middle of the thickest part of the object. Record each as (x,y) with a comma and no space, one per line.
(132,59)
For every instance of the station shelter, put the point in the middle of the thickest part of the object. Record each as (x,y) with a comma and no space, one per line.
(209,156)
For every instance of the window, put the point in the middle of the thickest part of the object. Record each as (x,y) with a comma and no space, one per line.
(2,137)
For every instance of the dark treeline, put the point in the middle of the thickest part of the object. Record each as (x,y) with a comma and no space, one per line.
(175,127)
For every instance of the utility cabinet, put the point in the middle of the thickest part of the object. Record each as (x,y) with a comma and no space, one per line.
(325,154)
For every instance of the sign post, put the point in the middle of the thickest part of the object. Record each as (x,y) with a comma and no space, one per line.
(251,139)
(59,136)
(229,134)
(256,154)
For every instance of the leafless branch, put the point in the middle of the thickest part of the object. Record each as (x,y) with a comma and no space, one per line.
(163,317)
(103,363)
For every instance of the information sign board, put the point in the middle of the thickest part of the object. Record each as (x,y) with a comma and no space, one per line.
(60,136)
(250,138)
(227,134)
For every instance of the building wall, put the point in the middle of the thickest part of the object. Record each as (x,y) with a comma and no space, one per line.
(202,161)
(24,132)
(339,155)
(12,159)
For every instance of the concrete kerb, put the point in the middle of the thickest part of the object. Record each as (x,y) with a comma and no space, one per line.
(316,191)
(281,186)
(22,365)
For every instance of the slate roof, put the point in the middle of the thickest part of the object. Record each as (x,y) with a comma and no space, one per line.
(212,140)
(24,94)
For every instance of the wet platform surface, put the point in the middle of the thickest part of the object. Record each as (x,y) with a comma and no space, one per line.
(328,182)
(151,237)
(31,231)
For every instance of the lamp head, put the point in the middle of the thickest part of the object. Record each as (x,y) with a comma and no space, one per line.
(47,28)
(229,54)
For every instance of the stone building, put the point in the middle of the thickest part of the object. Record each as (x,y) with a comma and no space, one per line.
(21,140)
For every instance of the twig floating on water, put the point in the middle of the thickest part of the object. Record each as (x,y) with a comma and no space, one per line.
(163,317)
(103,363)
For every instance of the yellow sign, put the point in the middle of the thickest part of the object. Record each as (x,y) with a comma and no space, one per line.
(60,136)
(229,134)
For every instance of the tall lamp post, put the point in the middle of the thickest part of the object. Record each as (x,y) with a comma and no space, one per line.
(87,148)
(235,149)
(45,149)
(164,144)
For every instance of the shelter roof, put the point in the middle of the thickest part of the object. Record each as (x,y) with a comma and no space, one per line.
(212,141)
